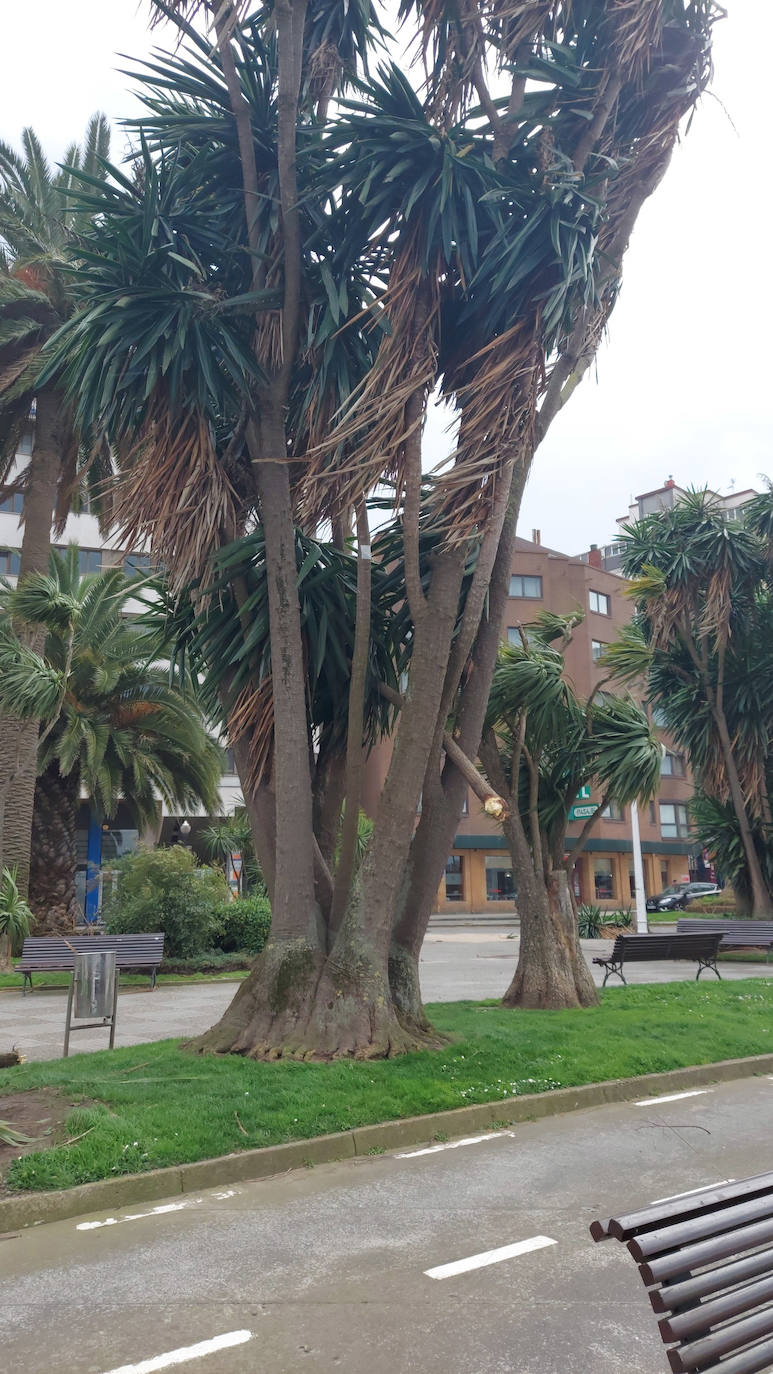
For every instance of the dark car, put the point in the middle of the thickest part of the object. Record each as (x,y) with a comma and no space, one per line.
(679,895)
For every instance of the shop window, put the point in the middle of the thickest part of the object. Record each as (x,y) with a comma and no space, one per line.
(454,878)
(527,588)
(600,603)
(632,880)
(500,886)
(674,821)
(663,876)
(613,812)
(602,880)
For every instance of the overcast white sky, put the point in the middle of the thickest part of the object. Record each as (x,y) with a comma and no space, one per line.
(684,384)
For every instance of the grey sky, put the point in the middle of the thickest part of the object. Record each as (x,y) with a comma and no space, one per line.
(684,379)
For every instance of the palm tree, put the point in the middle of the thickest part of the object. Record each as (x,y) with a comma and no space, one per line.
(701,638)
(113,726)
(38,224)
(267,308)
(541,744)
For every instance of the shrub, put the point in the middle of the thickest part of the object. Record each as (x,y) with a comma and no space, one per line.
(589,921)
(162,889)
(243,924)
(214,961)
(15,916)
(622,918)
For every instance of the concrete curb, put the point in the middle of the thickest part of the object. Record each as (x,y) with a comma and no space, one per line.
(33,1209)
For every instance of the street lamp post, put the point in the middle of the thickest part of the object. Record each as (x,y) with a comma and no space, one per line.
(638,873)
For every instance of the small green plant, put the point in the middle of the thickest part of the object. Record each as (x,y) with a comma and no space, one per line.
(589,921)
(376,1150)
(243,924)
(163,889)
(623,918)
(440,1135)
(15,916)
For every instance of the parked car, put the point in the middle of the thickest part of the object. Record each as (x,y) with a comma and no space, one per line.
(679,895)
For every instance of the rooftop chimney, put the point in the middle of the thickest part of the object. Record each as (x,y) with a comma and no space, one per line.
(536,536)
(594,557)
(669,482)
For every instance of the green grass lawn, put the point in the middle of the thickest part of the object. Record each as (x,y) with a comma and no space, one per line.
(153,1105)
(128,980)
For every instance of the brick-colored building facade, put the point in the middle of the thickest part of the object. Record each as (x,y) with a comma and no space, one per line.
(479,873)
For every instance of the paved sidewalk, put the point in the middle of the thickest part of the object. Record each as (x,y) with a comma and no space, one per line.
(455,965)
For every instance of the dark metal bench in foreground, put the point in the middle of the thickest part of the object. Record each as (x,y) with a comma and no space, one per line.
(629,949)
(46,954)
(735,934)
(707,1261)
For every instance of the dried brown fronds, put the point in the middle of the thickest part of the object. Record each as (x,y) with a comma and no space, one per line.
(252,716)
(175,493)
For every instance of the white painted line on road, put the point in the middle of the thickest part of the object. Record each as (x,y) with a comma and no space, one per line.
(185,1353)
(455,1144)
(152,1212)
(463,1266)
(672,1097)
(705,1187)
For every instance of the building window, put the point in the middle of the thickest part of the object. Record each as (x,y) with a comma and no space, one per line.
(600,603)
(652,813)
(659,717)
(597,648)
(672,765)
(89,561)
(613,812)
(136,564)
(466,805)
(674,821)
(25,442)
(602,880)
(499,879)
(529,588)
(9,562)
(11,502)
(454,878)
(229,764)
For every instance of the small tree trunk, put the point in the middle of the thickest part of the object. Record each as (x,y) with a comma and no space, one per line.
(761,901)
(54,854)
(551,971)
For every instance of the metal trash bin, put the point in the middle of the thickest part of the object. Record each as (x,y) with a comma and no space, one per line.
(93,992)
(94,976)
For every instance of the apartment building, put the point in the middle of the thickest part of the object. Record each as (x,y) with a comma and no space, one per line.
(478,874)
(665,498)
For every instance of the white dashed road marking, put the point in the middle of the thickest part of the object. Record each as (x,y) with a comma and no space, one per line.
(463,1266)
(185,1353)
(671,1097)
(454,1144)
(153,1211)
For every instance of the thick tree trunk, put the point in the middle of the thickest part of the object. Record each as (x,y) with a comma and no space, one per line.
(442,806)
(54,854)
(19,738)
(551,971)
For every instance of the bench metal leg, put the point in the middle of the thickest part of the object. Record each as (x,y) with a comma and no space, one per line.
(707,964)
(26,978)
(614,968)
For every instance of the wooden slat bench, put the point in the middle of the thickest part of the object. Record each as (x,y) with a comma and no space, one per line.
(707,1261)
(735,934)
(640,948)
(44,954)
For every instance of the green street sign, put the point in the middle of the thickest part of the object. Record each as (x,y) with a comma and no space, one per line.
(584,793)
(581,813)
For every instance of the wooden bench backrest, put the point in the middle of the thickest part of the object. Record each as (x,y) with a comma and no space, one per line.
(701,1260)
(641,947)
(131,951)
(743,930)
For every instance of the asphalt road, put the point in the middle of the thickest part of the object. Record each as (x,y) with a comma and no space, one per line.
(455,964)
(331,1270)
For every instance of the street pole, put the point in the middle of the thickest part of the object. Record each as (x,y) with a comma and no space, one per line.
(638,873)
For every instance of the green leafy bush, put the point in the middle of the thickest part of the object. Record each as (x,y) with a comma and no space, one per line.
(214,961)
(622,918)
(15,916)
(589,920)
(163,889)
(243,924)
